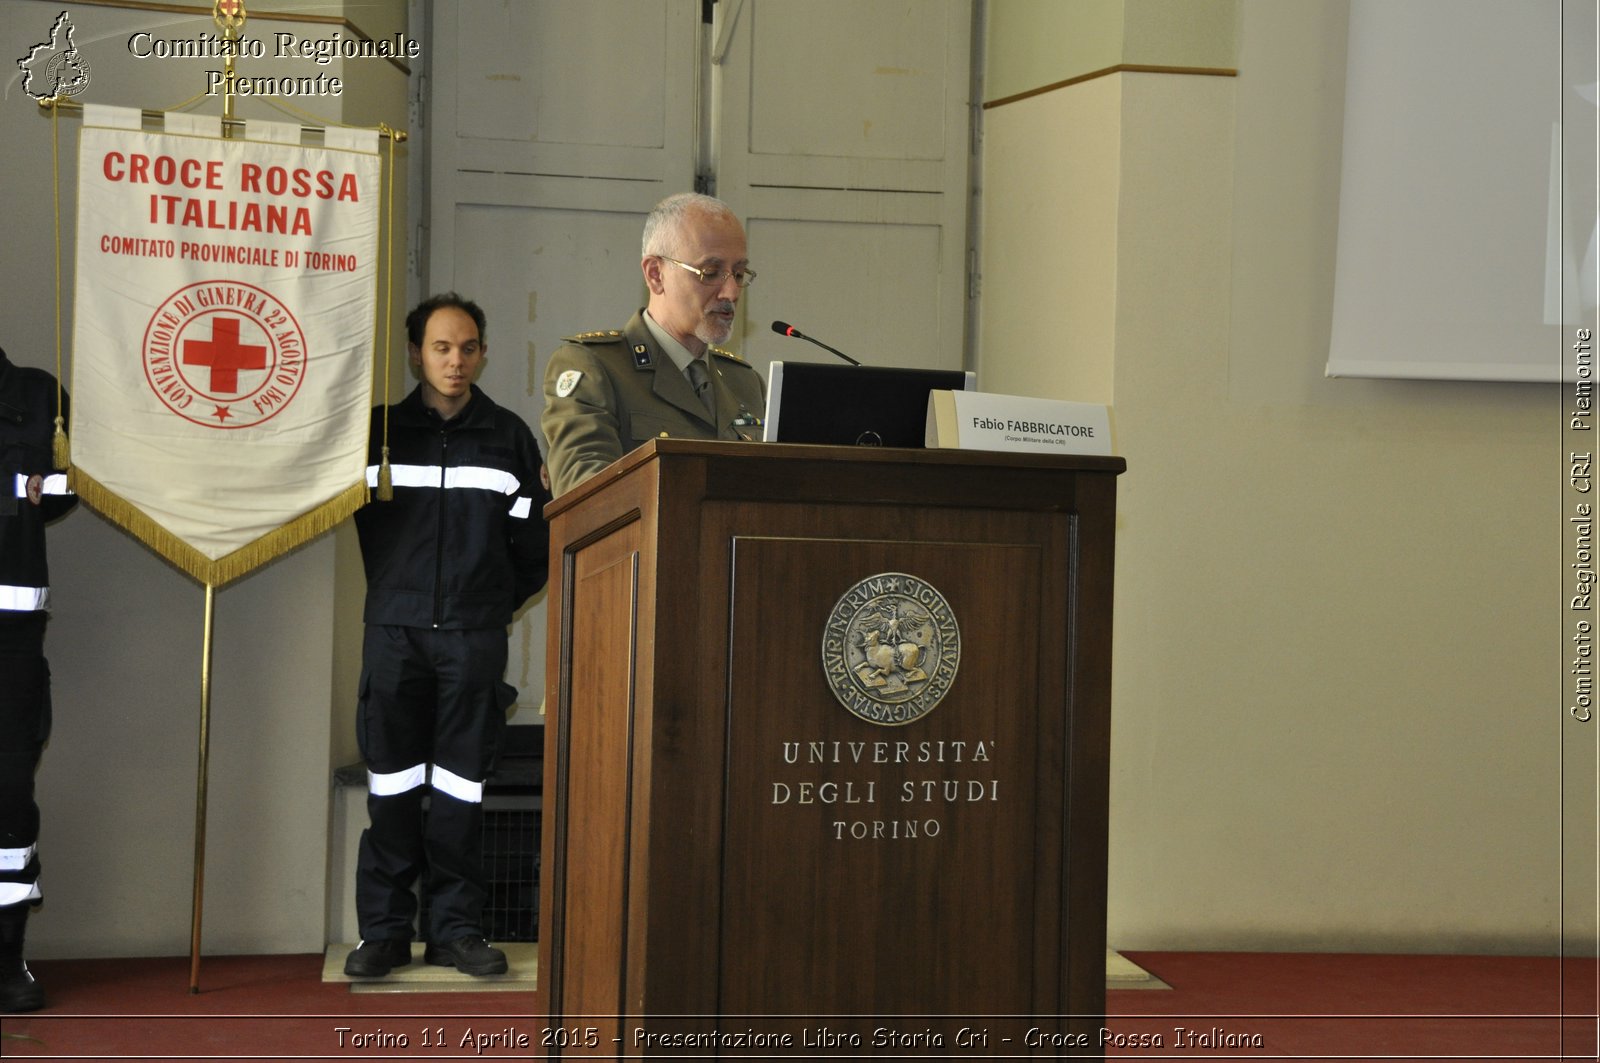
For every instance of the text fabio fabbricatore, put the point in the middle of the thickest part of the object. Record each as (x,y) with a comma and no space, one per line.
(318,50)
(1038,428)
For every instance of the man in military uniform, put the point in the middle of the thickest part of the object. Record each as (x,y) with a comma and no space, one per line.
(606,393)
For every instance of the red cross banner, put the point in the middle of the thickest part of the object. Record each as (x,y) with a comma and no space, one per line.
(223,334)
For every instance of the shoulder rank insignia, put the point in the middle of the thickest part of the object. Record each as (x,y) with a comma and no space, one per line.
(598,336)
(729,355)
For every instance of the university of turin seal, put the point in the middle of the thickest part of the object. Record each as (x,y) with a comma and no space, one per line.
(890,649)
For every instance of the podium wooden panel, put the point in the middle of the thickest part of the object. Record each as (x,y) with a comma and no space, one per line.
(726,847)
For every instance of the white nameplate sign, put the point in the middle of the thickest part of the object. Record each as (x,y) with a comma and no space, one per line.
(976,420)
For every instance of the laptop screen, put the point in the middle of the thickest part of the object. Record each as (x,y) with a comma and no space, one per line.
(853,405)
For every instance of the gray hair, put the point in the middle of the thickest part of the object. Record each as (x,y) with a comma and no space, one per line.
(663,228)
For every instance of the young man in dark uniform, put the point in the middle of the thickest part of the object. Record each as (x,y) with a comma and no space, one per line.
(459,549)
(32,494)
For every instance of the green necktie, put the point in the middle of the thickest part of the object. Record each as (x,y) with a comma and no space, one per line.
(700,377)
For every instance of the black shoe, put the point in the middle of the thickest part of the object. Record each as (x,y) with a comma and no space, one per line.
(374,959)
(469,955)
(19,991)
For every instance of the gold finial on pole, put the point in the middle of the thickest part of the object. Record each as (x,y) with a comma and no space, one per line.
(229,15)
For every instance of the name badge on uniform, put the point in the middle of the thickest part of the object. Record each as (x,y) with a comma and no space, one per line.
(567,382)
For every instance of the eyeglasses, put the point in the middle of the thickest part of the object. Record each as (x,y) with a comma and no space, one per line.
(715,276)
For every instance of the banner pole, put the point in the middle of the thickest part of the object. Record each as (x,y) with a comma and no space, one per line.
(229,15)
(200,790)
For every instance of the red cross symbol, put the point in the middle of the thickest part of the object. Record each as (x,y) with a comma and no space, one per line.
(224,355)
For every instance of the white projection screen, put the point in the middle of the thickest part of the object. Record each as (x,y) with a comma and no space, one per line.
(1466,243)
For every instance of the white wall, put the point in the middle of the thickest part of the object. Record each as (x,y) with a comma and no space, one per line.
(1334,723)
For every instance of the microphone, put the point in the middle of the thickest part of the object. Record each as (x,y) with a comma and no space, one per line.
(783,328)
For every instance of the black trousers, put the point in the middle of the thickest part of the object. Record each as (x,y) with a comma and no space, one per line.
(429,722)
(24,727)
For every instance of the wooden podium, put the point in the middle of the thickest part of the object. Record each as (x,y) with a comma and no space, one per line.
(731,851)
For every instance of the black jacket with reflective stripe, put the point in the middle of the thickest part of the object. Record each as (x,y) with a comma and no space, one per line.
(27,423)
(464,543)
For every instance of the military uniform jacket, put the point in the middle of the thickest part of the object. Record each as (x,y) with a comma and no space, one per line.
(463,543)
(32,493)
(606,393)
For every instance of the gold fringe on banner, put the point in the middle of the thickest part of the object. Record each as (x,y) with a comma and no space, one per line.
(241,562)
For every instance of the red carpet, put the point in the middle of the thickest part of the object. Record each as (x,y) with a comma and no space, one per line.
(1338,1007)
(249,1007)
(1298,1006)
